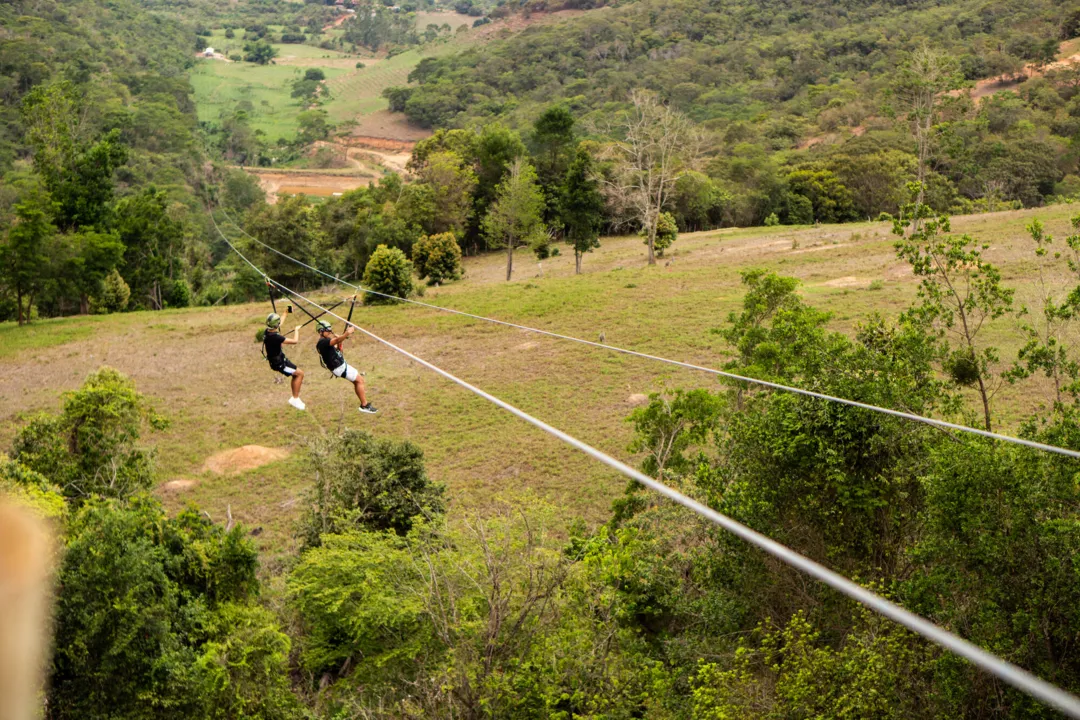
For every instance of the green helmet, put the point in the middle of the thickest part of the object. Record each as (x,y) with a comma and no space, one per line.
(323,326)
(273,320)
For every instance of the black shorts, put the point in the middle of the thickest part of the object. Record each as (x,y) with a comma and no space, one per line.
(284,366)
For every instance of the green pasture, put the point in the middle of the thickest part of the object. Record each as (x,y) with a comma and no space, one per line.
(219,86)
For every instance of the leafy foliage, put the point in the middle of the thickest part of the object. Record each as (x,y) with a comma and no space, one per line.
(153,619)
(438,258)
(367,483)
(388,272)
(90,448)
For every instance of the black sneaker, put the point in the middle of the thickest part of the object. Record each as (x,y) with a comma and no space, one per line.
(369,408)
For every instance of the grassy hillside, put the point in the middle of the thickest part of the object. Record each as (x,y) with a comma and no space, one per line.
(204,371)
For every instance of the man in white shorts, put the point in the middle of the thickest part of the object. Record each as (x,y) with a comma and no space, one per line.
(329,347)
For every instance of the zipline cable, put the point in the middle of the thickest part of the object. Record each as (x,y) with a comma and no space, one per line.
(943,424)
(1002,669)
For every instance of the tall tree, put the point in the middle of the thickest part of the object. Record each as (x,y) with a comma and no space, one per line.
(452,183)
(152,242)
(291,226)
(658,145)
(581,207)
(959,292)
(94,256)
(25,264)
(516,217)
(928,74)
(495,150)
(77,170)
(552,145)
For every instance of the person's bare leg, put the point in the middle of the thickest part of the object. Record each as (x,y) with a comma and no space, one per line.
(359,387)
(297,381)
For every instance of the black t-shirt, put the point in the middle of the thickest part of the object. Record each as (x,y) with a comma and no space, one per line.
(273,341)
(331,356)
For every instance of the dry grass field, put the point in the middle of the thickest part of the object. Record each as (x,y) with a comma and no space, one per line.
(234,442)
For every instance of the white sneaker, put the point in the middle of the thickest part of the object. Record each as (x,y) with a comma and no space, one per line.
(297,403)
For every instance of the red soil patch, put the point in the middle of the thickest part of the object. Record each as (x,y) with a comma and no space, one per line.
(248,457)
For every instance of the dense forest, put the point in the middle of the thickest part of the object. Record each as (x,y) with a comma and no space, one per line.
(783,86)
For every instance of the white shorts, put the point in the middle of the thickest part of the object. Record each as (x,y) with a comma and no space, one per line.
(346,371)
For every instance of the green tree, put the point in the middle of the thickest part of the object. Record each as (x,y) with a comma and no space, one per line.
(552,144)
(667,232)
(494,151)
(438,258)
(959,293)
(94,256)
(581,207)
(452,183)
(697,201)
(830,198)
(25,264)
(668,426)
(77,171)
(114,295)
(259,52)
(313,125)
(388,272)
(91,448)
(153,619)
(291,226)
(368,483)
(153,242)
(516,216)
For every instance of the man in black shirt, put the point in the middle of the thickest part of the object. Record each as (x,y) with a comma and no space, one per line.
(329,347)
(272,342)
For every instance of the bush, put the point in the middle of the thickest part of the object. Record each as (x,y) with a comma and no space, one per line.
(156,618)
(799,211)
(360,66)
(772,220)
(667,231)
(389,272)
(177,294)
(90,447)
(114,295)
(367,483)
(437,257)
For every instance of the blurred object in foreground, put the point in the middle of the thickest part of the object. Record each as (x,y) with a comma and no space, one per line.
(26,561)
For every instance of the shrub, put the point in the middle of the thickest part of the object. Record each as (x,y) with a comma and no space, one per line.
(437,257)
(667,231)
(772,220)
(360,66)
(177,294)
(367,483)
(114,295)
(90,447)
(390,272)
(156,618)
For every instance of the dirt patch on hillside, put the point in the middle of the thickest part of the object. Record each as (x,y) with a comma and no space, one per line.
(241,459)
(175,486)
(308,183)
(385,125)
(843,282)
